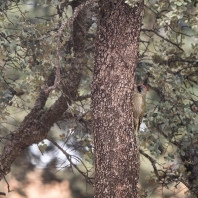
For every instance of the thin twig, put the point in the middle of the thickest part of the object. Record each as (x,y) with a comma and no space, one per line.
(7,184)
(68,156)
(150,30)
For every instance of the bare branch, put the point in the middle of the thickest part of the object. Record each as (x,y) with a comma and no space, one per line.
(7,184)
(68,156)
(2,193)
(156,33)
(153,162)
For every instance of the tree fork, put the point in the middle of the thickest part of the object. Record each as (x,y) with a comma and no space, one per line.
(36,125)
(116,53)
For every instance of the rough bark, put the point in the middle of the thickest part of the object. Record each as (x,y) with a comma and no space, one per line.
(38,122)
(116,51)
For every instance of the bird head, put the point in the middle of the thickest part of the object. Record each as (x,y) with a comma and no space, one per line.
(142,89)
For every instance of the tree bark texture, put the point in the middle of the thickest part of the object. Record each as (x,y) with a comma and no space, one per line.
(116,150)
(38,122)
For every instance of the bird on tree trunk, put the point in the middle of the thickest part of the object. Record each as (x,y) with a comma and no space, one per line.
(139,104)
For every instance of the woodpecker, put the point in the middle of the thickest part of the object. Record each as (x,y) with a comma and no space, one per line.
(139,104)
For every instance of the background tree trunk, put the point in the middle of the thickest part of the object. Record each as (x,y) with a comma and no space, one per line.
(116,151)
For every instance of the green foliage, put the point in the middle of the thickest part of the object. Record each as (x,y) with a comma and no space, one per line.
(42,147)
(168,65)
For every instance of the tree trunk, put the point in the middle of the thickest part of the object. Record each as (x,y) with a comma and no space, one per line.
(116,150)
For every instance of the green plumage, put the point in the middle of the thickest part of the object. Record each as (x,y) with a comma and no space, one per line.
(139,105)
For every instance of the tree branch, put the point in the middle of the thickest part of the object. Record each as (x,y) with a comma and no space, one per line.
(33,129)
(66,23)
(35,126)
(153,162)
(69,158)
(150,30)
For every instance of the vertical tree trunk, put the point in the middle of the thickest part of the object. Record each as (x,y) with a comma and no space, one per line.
(116,151)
